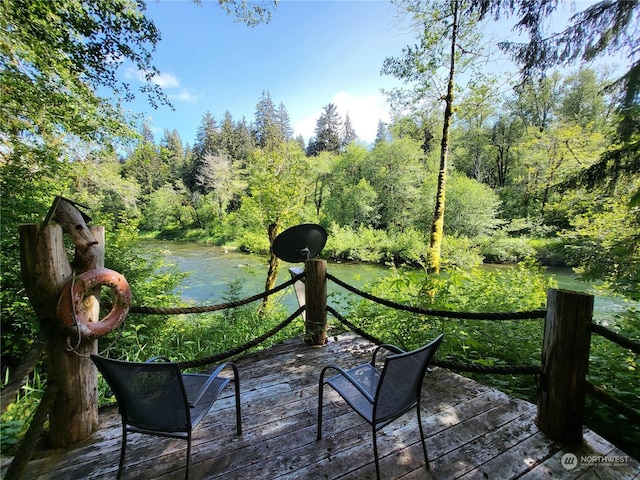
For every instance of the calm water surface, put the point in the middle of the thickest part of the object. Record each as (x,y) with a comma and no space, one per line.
(214,268)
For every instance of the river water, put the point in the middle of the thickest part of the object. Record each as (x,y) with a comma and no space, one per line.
(214,268)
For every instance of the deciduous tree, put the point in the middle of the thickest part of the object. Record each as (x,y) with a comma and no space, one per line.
(446,36)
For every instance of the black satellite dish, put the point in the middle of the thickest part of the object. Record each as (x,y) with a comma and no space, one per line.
(300,243)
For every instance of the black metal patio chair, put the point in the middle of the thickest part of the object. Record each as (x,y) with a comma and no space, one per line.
(156,398)
(381,396)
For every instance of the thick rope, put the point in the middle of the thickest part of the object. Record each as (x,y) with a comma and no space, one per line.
(443,313)
(451,365)
(242,348)
(212,308)
(621,340)
(494,369)
(612,402)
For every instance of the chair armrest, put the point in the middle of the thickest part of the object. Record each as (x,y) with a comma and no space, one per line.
(386,346)
(351,380)
(212,377)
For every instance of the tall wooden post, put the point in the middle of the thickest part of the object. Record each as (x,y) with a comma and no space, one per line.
(315,287)
(46,269)
(565,362)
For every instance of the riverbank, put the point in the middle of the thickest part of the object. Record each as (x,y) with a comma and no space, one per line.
(214,268)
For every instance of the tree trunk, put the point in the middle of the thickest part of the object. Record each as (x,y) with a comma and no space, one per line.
(45,271)
(274,263)
(437,226)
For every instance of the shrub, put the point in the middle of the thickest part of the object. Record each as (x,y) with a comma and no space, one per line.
(499,248)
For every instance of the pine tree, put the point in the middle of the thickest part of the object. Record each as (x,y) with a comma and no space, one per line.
(382,133)
(267,127)
(348,133)
(173,154)
(243,142)
(284,122)
(207,143)
(328,129)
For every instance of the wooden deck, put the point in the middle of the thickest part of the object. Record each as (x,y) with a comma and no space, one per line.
(474,432)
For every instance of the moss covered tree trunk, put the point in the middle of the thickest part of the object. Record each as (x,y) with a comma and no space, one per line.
(274,263)
(437,225)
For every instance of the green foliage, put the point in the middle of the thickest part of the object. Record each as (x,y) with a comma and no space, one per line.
(353,204)
(278,186)
(15,421)
(460,252)
(605,243)
(505,290)
(501,248)
(361,244)
(472,208)
(484,343)
(165,210)
(197,336)
(617,371)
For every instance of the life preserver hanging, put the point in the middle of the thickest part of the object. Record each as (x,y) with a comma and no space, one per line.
(72,315)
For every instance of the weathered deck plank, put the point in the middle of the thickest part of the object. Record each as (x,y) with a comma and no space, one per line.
(473,432)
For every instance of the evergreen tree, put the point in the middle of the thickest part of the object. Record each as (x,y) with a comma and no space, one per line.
(348,133)
(173,154)
(284,122)
(300,140)
(227,136)
(243,143)
(147,133)
(207,143)
(382,134)
(145,164)
(328,131)
(267,127)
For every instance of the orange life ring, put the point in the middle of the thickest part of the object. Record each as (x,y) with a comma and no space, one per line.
(79,287)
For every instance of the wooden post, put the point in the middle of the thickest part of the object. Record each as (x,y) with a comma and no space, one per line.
(565,362)
(315,288)
(46,269)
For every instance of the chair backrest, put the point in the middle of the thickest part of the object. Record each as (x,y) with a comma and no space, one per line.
(150,396)
(401,381)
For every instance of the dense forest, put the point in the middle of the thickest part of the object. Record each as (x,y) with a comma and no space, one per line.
(473,168)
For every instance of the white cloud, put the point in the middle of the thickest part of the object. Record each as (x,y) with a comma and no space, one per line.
(163,80)
(185,95)
(364,114)
(166,80)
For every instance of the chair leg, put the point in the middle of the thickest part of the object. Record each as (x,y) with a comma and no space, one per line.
(122,451)
(424,445)
(375,451)
(236,381)
(320,391)
(186,474)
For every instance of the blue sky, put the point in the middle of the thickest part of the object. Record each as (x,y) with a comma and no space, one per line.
(310,54)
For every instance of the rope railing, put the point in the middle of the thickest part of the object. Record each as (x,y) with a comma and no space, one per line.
(242,348)
(599,392)
(449,364)
(212,308)
(443,363)
(526,315)
(613,402)
(621,340)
